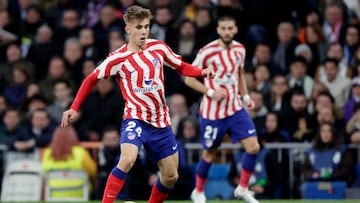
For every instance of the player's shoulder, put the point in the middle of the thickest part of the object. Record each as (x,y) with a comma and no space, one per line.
(210,47)
(238,45)
(119,51)
(154,42)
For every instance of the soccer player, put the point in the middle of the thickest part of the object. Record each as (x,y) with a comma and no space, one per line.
(138,67)
(221,110)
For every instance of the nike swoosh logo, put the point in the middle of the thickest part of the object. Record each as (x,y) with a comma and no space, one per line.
(110,196)
(251,131)
(174,147)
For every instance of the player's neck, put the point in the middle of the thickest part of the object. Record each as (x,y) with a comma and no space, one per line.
(133,47)
(224,45)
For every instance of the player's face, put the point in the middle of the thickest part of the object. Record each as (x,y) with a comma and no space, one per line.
(227,29)
(138,31)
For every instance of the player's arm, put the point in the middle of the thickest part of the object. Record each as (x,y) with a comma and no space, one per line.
(107,68)
(85,88)
(243,90)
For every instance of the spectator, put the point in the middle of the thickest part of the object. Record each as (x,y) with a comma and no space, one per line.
(335,23)
(352,42)
(15,93)
(63,99)
(162,27)
(298,79)
(259,112)
(354,99)
(272,131)
(73,56)
(353,126)
(56,71)
(335,51)
(3,107)
(92,12)
(41,51)
(12,126)
(32,22)
(205,27)
(262,78)
(13,54)
(87,42)
(69,28)
(316,40)
(278,99)
(262,55)
(65,153)
(318,87)
(283,50)
(328,159)
(339,86)
(37,133)
(178,110)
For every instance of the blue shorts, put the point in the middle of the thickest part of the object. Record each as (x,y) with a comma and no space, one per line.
(158,142)
(238,126)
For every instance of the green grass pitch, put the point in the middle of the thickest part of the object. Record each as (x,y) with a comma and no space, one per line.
(241,201)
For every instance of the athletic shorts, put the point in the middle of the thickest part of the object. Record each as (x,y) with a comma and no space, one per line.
(238,126)
(158,142)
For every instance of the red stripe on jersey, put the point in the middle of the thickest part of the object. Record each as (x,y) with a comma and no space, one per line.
(140,71)
(207,58)
(138,112)
(217,111)
(234,100)
(111,64)
(226,114)
(165,108)
(150,95)
(231,61)
(223,64)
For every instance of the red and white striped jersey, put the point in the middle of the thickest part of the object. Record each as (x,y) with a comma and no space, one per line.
(141,80)
(225,63)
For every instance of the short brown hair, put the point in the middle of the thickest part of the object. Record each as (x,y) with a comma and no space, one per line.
(136,13)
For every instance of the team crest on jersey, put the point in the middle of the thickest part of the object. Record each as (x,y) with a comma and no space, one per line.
(131,135)
(209,143)
(156,62)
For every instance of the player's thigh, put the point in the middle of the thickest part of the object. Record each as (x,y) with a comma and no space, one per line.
(240,126)
(168,166)
(212,133)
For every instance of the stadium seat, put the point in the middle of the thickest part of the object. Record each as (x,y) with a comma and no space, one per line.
(323,190)
(22,181)
(66,186)
(217,186)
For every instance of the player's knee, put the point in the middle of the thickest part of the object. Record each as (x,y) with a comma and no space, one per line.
(171,178)
(126,162)
(254,148)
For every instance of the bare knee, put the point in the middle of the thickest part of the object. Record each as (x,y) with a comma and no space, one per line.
(126,163)
(253,148)
(170,179)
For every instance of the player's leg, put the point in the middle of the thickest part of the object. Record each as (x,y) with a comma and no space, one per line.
(212,132)
(163,150)
(202,171)
(243,129)
(129,147)
(168,176)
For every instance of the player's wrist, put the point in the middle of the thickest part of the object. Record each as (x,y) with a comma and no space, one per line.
(210,92)
(246,97)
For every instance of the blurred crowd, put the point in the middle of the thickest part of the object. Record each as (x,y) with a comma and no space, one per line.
(302,70)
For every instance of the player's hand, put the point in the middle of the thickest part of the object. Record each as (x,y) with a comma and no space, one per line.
(208,73)
(249,103)
(68,116)
(219,94)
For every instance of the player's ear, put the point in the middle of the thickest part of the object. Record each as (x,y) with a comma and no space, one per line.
(127,29)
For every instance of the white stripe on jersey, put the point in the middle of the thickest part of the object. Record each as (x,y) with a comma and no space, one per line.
(140,76)
(226,63)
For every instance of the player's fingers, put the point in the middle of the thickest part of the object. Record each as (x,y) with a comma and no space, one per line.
(64,120)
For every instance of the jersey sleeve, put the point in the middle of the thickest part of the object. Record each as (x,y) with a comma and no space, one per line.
(110,66)
(171,59)
(199,60)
